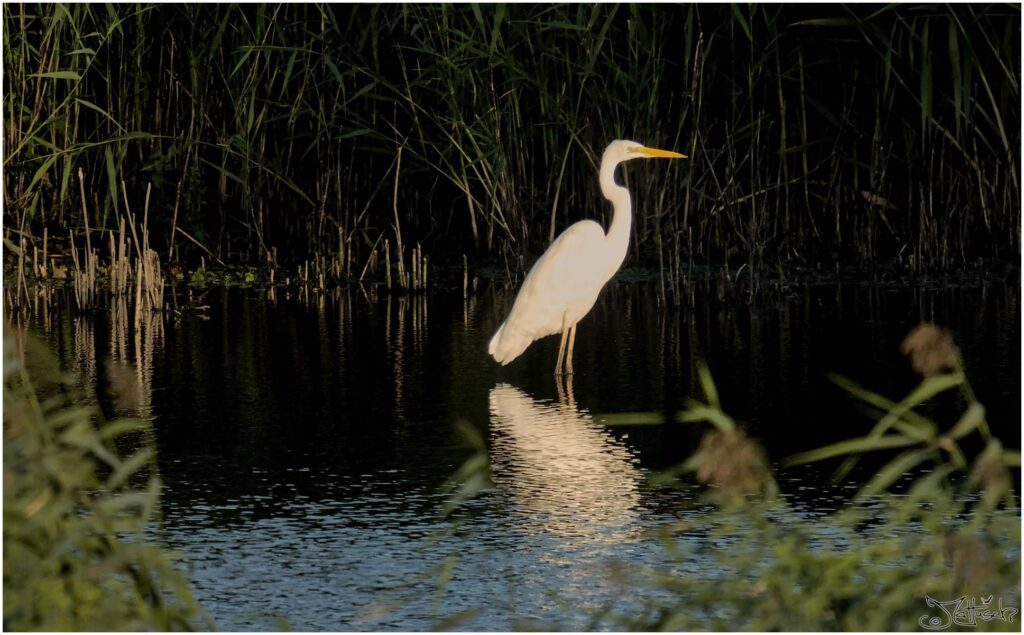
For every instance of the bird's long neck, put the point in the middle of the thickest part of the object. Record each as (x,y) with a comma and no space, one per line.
(622,219)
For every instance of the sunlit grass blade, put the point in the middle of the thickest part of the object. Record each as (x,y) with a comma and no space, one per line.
(972,418)
(1011,457)
(707,384)
(713,415)
(850,446)
(894,470)
(630,418)
(923,425)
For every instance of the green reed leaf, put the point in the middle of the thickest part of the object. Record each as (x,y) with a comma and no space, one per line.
(894,470)
(850,446)
(68,75)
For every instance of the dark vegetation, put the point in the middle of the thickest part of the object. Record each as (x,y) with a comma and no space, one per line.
(304,135)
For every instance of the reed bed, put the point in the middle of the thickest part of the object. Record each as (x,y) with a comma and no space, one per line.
(853,135)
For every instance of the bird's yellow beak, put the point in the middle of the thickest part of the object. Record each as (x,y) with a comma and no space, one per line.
(663,154)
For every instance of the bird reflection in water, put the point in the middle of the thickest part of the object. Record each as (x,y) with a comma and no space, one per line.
(564,472)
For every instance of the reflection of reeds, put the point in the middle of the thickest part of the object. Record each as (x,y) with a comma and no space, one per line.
(84,356)
(21,284)
(129,365)
(409,316)
(119,328)
(149,337)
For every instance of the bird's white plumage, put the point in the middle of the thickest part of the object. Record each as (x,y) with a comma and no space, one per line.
(565,281)
(559,290)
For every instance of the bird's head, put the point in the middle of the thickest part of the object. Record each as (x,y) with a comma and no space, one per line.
(625,150)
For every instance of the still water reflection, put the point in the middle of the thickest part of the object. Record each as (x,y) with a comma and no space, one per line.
(303,440)
(564,473)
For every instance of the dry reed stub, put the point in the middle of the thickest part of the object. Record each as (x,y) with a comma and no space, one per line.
(413,277)
(387,262)
(83,277)
(120,265)
(153,282)
(41,268)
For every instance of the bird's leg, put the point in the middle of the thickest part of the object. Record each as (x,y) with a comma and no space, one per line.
(561,352)
(566,399)
(570,397)
(572,342)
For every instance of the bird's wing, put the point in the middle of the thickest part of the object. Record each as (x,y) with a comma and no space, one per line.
(569,274)
(570,264)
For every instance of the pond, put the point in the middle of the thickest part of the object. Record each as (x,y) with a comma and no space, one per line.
(305,440)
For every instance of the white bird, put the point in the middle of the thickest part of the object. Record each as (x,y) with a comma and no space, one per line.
(565,281)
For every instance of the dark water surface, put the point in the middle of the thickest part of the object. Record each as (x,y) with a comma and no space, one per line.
(304,443)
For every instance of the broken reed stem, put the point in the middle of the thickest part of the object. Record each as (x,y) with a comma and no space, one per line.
(45,272)
(83,279)
(416,277)
(373,255)
(120,265)
(414,266)
(387,261)
(398,226)
(339,258)
(22,278)
(422,269)
(155,282)
(76,268)
(85,213)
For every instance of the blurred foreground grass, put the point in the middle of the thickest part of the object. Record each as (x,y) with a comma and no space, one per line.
(76,506)
(931,541)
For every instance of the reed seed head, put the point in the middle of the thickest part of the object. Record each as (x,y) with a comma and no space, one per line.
(732,462)
(989,472)
(931,349)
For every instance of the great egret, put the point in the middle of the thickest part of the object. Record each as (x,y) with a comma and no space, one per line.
(565,281)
